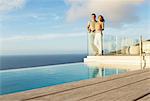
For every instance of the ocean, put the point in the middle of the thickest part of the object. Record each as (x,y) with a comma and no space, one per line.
(28,61)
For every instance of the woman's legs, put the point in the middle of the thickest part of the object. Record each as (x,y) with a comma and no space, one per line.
(98,42)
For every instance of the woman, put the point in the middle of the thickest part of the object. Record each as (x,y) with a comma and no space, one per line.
(99,27)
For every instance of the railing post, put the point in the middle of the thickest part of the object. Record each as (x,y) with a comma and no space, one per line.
(87,43)
(141,51)
(116,44)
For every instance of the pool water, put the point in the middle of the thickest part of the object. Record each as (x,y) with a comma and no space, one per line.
(17,80)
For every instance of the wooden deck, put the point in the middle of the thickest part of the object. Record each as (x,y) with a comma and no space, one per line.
(131,86)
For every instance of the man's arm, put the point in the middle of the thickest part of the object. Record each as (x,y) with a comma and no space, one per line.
(88,27)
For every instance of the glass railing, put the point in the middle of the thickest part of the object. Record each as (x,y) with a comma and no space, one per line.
(120,45)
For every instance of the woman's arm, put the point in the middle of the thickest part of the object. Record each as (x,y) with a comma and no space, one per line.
(102,25)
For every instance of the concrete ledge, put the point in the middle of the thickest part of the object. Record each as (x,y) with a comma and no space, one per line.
(118,60)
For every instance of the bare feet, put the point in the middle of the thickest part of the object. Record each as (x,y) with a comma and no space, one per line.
(100,54)
(96,54)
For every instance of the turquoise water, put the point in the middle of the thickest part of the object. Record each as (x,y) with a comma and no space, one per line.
(31,78)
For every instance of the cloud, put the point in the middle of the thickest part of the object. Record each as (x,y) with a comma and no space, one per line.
(116,12)
(9,5)
(40,37)
(42,43)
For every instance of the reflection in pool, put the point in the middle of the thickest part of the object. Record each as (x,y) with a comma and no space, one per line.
(31,78)
(103,72)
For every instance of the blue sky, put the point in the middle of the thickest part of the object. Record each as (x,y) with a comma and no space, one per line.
(59,26)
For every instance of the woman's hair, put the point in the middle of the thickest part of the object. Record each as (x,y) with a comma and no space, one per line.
(103,20)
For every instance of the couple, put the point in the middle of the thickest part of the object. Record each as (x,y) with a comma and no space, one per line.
(95,28)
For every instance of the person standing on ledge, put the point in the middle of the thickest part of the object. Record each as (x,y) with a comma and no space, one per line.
(91,31)
(98,40)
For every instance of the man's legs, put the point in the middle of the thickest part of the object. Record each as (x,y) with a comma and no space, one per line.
(92,48)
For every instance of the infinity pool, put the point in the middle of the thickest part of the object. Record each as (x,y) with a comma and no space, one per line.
(17,80)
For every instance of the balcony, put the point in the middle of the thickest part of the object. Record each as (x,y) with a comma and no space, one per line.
(118,50)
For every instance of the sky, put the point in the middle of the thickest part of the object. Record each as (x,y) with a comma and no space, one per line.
(59,26)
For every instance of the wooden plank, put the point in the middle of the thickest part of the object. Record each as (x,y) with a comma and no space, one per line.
(145,98)
(65,87)
(77,94)
(127,93)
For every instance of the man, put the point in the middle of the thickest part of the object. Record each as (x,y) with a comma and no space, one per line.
(91,30)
